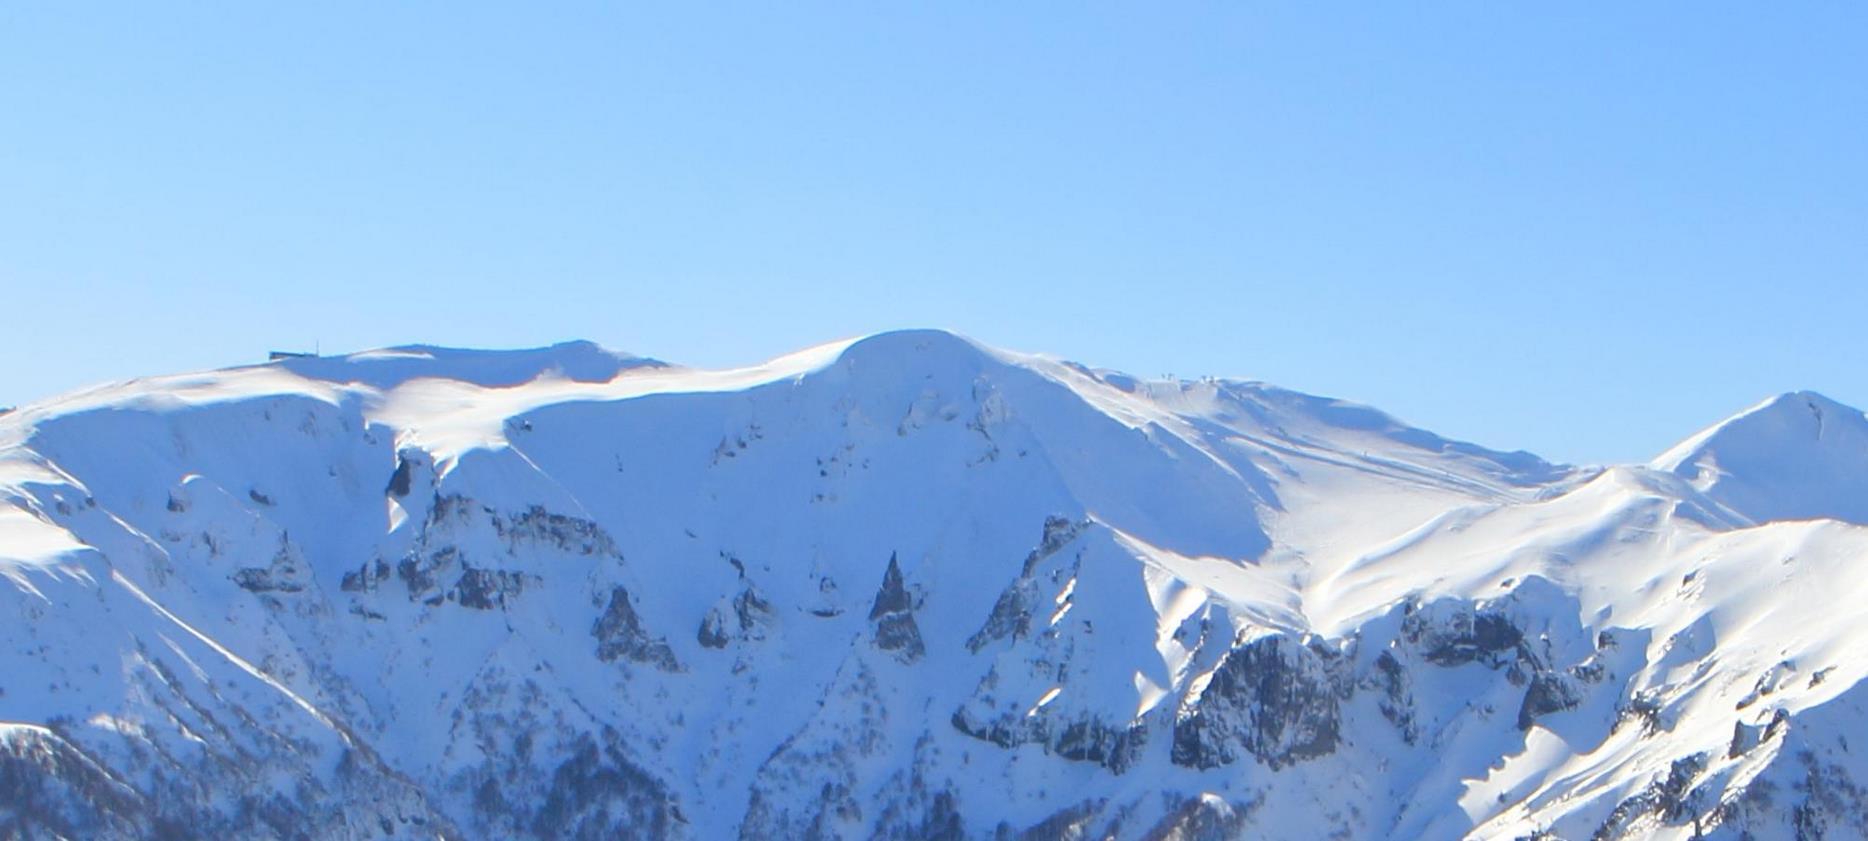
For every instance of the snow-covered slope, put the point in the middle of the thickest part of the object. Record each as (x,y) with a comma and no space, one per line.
(1797,456)
(905,587)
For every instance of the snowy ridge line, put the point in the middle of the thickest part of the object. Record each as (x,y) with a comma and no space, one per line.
(907,586)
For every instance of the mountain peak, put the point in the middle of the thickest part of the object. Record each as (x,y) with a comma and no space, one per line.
(903,345)
(1796,456)
(532,594)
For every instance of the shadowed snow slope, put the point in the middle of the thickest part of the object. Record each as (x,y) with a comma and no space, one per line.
(904,586)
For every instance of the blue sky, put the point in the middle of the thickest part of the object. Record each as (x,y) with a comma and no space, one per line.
(1581,229)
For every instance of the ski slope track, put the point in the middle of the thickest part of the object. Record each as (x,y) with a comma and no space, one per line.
(902,587)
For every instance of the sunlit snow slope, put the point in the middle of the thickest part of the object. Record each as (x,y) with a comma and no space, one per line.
(906,587)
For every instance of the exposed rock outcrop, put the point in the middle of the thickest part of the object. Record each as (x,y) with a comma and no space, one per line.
(620,634)
(894,618)
(1273,698)
(486,589)
(1548,693)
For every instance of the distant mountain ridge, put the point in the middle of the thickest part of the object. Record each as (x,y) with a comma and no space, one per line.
(906,586)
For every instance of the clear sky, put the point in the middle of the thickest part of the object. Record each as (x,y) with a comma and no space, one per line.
(1584,229)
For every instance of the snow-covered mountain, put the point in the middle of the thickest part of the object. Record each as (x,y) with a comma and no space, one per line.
(906,587)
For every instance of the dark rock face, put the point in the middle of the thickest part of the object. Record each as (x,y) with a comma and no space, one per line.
(1093,741)
(365,578)
(454,520)
(1011,614)
(712,632)
(1549,692)
(893,615)
(1115,747)
(402,479)
(1744,738)
(418,574)
(897,632)
(1272,697)
(752,612)
(1057,532)
(261,580)
(1043,654)
(1396,699)
(486,589)
(567,534)
(1644,710)
(744,618)
(284,574)
(1454,635)
(892,597)
(1670,799)
(620,634)
(1451,633)
(1010,617)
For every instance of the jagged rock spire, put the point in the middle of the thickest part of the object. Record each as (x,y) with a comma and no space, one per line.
(620,633)
(893,615)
